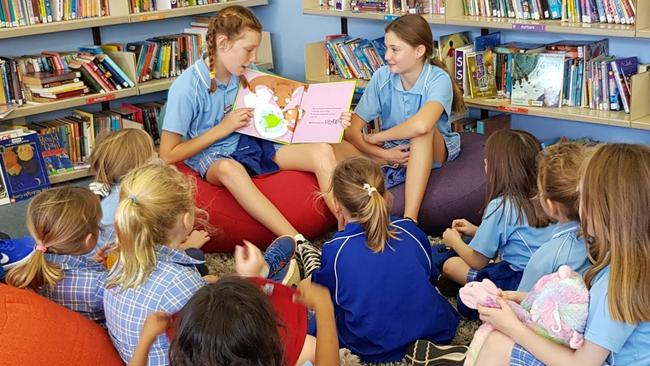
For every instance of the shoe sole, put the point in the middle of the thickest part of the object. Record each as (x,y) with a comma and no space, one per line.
(425,353)
(292,277)
(11,265)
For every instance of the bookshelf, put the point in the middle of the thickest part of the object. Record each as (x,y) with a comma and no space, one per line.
(191,10)
(312,7)
(71,175)
(639,118)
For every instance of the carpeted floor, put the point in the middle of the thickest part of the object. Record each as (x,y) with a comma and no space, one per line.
(223,264)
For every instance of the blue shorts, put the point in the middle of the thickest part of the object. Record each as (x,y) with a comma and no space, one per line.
(521,357)
(210,156)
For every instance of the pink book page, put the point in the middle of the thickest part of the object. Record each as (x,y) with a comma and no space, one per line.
(275,101)
(322,105)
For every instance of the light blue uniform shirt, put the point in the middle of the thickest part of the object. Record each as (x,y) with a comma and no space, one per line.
(564,248)
(192,110)
(513,240)
(385,97)
(109,206)
(629,343)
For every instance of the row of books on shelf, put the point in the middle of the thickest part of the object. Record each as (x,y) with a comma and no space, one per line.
(390,6)
(16,13)
(578,11)
(353,57)
(139,6)
(32,153)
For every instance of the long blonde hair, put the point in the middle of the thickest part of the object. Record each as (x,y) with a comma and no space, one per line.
(231,21)
(358,184)
(558,174)
(117,153)
(152,198)
(614,202)
(60,220)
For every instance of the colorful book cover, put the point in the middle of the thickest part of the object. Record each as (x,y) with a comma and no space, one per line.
(55,156)
(23,167)
(448,45)
(288,111)
(537,79)
(482,81)
(491,40)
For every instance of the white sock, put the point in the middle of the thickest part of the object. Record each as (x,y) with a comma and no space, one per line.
(264,273)
(299,237)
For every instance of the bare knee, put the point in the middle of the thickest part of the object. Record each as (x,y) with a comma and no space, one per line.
(226,171)
(323,153)
(496,350)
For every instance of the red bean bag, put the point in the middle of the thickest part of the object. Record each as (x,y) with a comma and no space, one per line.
(37,331)
(293,193)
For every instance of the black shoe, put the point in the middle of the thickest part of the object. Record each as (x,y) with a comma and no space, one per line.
(426,353)
(308,257)
(447,287)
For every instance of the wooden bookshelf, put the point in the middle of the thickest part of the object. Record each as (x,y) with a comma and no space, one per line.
(642,123)
(312,7)
(191,10)
(455,16)
(315,66)
(643,19)
(71,175)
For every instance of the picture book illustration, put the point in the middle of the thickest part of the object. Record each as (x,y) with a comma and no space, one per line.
(537,79)
(289,111)
(22,164)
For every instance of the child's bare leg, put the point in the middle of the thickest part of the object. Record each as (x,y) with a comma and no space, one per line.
(345,150)
(316,158)
(424,150)
(235,178)
(308,352)
(456,269)
(496,350)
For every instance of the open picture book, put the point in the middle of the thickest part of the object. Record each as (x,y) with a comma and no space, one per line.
(290,112)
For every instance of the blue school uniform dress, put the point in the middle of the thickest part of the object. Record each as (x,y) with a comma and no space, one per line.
(384,301)
(566,247)
(168,288)
(385,97)
(629,344)
(82,286)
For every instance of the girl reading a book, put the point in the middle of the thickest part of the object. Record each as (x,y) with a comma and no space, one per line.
(199,126)
(615,218)
(389,304)
(64,223)
(414,96)
(514,225)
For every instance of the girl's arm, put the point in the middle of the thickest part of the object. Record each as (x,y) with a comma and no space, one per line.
(317,297)
(423,122)
(354,135)
(548,352)
(155,325)
(451,238)
(173,149)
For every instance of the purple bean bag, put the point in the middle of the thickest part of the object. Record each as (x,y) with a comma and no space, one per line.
(457,190)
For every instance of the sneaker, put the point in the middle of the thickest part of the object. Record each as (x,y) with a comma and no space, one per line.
(100,189)
(308,258)
(278,256)
(427,353)
(15,251)
(289,275)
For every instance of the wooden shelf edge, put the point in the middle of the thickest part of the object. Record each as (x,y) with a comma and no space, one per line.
(641,123)
(62,26)
(431,18)
(37,108)
(71,175)
(191,10)
(643,33)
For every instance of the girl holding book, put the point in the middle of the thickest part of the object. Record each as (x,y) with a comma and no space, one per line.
(615,218)
(199,126)
(415,96)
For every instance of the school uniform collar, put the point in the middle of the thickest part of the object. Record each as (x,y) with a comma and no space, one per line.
(167,254)
(567,227)
(67,261)
(203,72)
(351,228)
(419,86)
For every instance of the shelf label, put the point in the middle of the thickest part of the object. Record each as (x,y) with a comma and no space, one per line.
(153,16)
(509,108)
(101,98)
(529,27)
(390,17)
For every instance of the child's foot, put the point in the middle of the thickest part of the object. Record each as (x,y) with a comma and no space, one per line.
(426,353)
(282,266)
(15,251)
(308,257)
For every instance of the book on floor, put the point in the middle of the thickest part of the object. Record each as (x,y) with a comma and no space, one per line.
(23,167)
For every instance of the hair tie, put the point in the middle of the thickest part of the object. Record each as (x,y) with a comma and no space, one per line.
(133,199)
(40,248)
(369,189)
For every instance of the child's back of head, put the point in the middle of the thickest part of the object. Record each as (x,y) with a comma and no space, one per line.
(511,168)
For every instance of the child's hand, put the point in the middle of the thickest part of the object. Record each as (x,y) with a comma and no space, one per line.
(373,139)
(398,154)
(464,227)
(236,119)
(503,320)
(346,119)
(210,279)
(101,255)
(196,239)
(515,296)
(312,295)
(249,260)
(155,324)
(450,237)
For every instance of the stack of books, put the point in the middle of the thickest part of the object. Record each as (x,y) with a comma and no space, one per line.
(53,86)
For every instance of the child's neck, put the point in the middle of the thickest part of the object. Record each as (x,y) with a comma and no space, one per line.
(221,73)
(410,77)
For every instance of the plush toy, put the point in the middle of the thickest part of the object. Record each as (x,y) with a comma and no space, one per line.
(556,308)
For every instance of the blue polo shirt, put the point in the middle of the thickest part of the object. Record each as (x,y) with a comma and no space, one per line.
(109,205)
(385,97)
(564,248)
(192,110)
(384,301)
(629,344)
(500,233)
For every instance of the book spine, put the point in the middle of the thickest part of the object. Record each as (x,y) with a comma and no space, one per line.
(116,70)
(619,84)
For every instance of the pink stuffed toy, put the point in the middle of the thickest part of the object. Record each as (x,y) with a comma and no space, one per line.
(555,308)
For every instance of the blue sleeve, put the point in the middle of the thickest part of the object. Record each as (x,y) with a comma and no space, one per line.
(601,328)
(179,293)
(538,266)
(369,106)
(491,233)
(440,90)
(179,109)
(325,275)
